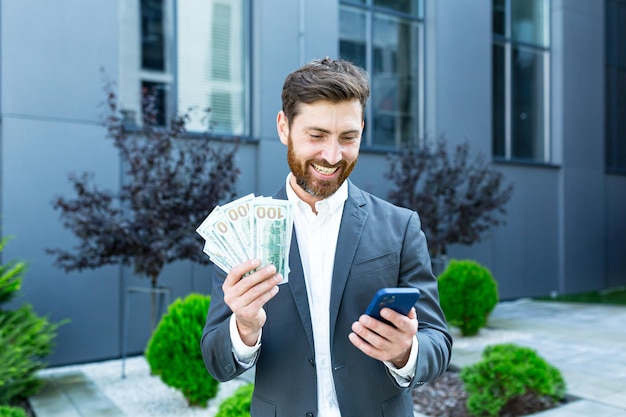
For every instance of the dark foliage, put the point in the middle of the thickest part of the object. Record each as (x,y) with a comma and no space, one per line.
(458,199)
(170,182)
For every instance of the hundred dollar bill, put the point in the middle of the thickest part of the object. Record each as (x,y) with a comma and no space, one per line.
(238,215)
(217,256)
(221,229)
(203,229)
(249,227)
(272,225)
(218,243)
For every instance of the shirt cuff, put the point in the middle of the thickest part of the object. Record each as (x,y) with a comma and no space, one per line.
(404,375)
(244,354)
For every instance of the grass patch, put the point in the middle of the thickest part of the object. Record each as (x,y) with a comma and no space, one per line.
(615,296)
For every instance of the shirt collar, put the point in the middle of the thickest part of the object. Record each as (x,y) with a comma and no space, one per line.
(333,202)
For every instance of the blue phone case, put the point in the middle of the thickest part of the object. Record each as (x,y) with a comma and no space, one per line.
(398,299)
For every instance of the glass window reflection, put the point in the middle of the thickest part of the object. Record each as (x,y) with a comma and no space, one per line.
(499,100)
(411,7)
(527,107)
(388,46)
(520,79)
(615,86)
(152,35)
(529,21)
(394,81)
(352,42)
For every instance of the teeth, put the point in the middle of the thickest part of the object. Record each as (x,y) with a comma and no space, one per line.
(324,170)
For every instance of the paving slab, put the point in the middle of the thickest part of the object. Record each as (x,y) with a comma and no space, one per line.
(72,395)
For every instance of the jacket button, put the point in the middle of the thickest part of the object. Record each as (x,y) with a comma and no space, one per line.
(309,414)
(312,363)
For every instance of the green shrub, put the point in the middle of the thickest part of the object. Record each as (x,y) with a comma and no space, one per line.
(508,372)
(6,411)
(173,351)
(10,277)
(25,338)
(468,293)
(238,404)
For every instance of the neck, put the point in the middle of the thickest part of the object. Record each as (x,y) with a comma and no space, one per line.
(303,195)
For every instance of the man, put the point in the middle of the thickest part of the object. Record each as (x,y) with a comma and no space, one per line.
(316,353)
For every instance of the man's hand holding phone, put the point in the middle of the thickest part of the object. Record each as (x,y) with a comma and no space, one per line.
(388,327)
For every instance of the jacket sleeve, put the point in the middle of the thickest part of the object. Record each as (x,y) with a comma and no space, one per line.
(435,341)
(216,345)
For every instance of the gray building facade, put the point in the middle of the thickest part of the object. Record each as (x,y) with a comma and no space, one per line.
(475,70)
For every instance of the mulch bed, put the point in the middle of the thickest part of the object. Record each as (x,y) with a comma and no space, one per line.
(446,397)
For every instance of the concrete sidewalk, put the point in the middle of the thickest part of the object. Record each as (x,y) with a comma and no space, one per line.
(587,343)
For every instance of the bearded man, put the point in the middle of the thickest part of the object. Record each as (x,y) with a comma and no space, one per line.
(316,353)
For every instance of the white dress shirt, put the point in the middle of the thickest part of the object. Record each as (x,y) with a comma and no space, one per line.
(317,240)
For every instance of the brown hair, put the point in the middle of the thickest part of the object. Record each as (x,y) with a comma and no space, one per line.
(324,80)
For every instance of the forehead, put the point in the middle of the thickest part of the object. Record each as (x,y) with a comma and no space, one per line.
(343,115)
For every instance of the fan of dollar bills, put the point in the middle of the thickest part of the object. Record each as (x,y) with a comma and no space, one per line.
(249,227)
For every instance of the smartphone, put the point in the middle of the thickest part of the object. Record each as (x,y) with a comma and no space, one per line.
(398,299)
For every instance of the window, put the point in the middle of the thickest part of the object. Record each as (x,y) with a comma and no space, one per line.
(521,75)
(156,74)
(386,38)
(200,70)
(152,35)
(615,42)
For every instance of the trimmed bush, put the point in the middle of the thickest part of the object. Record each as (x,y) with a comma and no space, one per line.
(238,404)
(25,338)
(6,411)
(509,373)
(468,293)
(173,351)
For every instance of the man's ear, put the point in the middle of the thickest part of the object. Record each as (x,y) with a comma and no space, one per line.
(282,126)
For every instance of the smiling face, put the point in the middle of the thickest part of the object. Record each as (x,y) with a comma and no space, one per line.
(323,143)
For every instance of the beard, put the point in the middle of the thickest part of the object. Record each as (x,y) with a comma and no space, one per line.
(312,185)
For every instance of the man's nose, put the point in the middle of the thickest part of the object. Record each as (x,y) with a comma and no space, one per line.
(332,151)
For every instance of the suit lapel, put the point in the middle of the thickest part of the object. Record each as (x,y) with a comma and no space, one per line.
(297,285)
(350,231)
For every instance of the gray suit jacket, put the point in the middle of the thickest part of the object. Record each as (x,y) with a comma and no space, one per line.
(379,245)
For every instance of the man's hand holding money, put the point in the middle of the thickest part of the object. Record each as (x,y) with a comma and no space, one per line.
(249,228)
(247,294)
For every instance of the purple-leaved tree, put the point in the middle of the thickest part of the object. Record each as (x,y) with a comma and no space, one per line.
(459,199)
(170,182)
